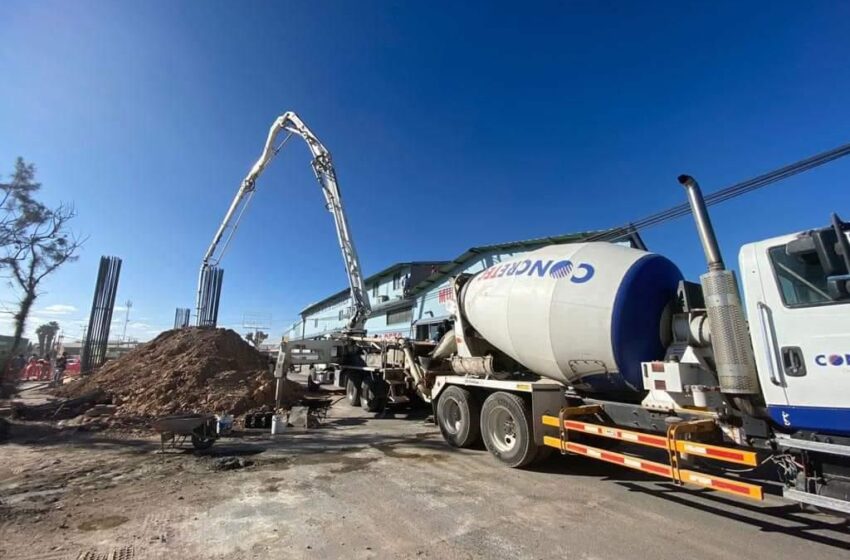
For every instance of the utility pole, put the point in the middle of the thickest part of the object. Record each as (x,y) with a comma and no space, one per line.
(128,305)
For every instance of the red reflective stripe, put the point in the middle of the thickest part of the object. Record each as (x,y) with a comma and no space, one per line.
(658,469)
(614,458)
(654,441)
(732,487)
(735,455)
(620,459)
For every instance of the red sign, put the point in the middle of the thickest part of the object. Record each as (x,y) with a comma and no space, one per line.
(445,294)
(389,336)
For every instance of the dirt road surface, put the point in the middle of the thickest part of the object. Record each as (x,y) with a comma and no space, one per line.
(366,487)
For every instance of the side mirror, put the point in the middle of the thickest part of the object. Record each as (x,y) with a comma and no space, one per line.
(838,287)
(828,246)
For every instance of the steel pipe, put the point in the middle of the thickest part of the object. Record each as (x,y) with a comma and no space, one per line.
(703,222)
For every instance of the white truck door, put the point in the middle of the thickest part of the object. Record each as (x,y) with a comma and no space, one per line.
(801,337)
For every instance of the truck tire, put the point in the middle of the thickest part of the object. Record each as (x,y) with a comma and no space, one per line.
(372,394)
(458,415)
(507,431)
(352,389)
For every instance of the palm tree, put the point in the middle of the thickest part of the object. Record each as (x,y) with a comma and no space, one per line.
(46,334)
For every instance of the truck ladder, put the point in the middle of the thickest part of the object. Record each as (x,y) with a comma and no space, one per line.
(672,443)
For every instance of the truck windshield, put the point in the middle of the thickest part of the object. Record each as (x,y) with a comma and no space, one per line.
(801,278)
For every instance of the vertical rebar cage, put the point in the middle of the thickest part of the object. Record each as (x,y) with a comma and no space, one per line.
(100,319)
(181,318)
(210,294)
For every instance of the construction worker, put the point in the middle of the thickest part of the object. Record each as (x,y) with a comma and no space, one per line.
(43,370)
(59,369)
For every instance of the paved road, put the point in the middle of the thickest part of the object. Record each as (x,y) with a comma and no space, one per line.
(362,487)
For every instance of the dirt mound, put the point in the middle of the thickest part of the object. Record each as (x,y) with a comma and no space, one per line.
(194,369)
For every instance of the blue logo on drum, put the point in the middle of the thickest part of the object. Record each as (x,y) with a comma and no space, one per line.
(577,274)
(832,359)
(561,269)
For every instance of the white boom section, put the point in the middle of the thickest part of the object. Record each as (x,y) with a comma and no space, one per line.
(326,175)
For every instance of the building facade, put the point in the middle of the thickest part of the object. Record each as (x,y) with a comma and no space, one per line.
(389,293)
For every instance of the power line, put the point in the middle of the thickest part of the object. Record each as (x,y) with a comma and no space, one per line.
(728,193)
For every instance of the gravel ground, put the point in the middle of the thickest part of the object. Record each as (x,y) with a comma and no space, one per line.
(365,487)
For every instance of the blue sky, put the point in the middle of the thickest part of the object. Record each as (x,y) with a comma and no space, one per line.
(450,125)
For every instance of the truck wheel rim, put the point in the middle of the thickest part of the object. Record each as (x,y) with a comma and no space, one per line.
(351,391)
(452,416)
(501,428)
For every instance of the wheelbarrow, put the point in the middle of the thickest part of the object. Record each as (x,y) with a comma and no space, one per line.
(176,429)
(318,406)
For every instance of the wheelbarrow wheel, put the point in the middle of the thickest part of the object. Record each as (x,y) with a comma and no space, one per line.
(200,442)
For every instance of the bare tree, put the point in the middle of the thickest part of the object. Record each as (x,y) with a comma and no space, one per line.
(35,240)
(17,206)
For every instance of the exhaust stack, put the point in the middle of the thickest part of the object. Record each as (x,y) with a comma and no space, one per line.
(704,227)
(733,354)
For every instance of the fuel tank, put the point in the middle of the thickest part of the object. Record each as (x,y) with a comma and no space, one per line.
(584,314)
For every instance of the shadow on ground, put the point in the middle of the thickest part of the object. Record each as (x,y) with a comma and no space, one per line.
(48,434)
(788,519)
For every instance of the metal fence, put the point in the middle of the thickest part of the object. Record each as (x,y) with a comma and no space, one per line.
(100,319)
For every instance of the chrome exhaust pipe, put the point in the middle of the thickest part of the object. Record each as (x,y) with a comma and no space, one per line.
(703,222)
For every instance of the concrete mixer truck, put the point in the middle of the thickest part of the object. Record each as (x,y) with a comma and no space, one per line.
(605,351)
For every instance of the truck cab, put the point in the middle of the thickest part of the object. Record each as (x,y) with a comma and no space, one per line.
(798,308)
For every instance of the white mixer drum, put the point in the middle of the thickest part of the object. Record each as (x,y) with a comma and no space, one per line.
(585,314)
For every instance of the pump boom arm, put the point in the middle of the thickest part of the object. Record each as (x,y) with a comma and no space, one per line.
(326,175)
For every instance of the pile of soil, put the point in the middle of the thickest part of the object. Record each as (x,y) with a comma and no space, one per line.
(187,370)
